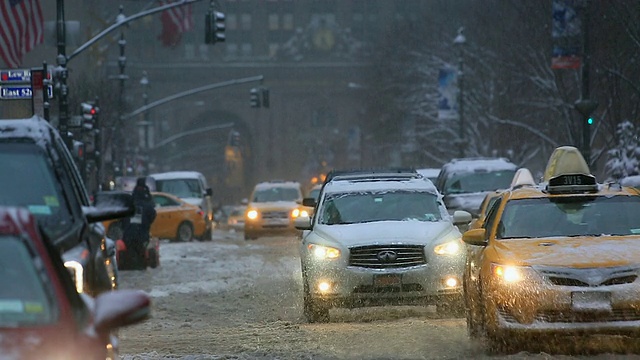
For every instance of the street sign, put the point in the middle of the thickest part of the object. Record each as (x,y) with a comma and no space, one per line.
(15,76)
(13,92)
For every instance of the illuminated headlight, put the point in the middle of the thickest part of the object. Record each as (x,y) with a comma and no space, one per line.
(77,273)
(448,248)
(507,273)
(299,213)
(324,252)
(252,214)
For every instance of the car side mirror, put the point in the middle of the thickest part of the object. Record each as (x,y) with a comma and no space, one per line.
(310,202)
(475,237)
(119,308)
(461,217)
(302,223)
(110,205)
(209,192)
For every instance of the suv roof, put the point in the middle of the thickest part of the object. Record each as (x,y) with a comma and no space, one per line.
(477,163)
(380,181)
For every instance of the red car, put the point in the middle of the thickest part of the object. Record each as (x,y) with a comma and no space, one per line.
(41,313)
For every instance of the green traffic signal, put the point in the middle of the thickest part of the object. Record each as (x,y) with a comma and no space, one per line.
(590,121)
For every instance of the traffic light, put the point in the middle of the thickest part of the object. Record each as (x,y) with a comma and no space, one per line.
(254,98)
(214,27)
(234,138)
(89,114)
(590,121)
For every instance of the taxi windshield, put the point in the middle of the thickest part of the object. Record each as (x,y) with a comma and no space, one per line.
(360,207)
(30,303)
(182,188)
(27,180)
(276,194)
(570,216)
(478,181)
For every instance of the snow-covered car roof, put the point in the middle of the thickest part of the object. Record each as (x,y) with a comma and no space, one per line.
(35,128)
(415,184)
(429,172)
(277,184)
(464,165)
(170,175)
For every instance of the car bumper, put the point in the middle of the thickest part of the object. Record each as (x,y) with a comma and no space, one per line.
(356,286)
(539,308)
(266,228)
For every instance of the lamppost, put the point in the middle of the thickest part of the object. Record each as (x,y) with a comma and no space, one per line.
(459,42)
(143,125)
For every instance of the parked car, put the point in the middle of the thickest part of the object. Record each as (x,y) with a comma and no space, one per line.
(465,182)
(38,173)
(379,239)
(558,259)
(190,186)
(42,314)
(429,173)
(272,208)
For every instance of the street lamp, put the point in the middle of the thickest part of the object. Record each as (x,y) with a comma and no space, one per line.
(143,129)
(459,42)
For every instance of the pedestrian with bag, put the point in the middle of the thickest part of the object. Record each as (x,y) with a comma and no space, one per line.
(136,234)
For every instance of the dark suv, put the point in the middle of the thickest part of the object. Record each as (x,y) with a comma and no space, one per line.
(39,174)
(465,182)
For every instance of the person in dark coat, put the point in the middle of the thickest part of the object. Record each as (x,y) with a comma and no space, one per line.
(136,229)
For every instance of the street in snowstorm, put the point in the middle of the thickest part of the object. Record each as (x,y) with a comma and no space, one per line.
(236,299)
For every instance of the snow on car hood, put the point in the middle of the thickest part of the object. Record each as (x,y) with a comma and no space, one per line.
(469,202)
(580,252)
(384,232)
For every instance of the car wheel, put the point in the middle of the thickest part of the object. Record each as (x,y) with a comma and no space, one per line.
(314,311)
(185,232)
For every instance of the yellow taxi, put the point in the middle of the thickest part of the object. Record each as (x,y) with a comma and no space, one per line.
(176,219)
(272,208)
(561,258)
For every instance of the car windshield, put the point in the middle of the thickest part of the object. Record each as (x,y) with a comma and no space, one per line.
(182,188)
(570,216)
(28,180)
(276,194)
(361,207)
(478,181)
(29,303)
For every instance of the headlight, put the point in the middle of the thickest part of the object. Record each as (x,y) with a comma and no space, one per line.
(448,248)
(252,214)
(507,273)
(295,213)
(324,252)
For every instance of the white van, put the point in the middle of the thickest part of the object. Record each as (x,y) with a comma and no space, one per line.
(190,186)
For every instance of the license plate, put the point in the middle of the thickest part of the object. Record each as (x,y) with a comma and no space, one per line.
(591,301)
(276,222)
(387,280)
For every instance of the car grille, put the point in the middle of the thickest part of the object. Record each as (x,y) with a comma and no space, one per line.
(591,277)
(387,256)
(269,215)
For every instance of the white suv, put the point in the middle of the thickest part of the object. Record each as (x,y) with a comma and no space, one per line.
(381,239)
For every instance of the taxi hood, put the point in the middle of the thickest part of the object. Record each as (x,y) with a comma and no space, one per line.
(581,252)
(385,232)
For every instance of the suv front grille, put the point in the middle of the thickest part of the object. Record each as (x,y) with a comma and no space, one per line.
(275,215)
(387,256)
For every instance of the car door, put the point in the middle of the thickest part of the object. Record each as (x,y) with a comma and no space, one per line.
(169,215)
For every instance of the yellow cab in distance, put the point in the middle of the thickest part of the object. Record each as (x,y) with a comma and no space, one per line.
(559,258)
(522,177)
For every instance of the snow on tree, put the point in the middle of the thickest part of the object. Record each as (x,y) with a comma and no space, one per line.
(624,157)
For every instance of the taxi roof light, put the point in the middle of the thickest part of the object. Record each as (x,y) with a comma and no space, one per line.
(568,172)
(522,178)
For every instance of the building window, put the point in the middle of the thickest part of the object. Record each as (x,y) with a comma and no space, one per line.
(231,22)
(287,21)
(246,49)
(274,22)
(273,50)
(245,21)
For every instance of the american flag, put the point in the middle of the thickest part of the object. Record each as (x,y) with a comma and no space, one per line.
(175,21)
(21,29)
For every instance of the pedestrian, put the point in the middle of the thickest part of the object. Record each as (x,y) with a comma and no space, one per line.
(136,234)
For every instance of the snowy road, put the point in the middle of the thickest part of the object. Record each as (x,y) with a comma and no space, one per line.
(232,299)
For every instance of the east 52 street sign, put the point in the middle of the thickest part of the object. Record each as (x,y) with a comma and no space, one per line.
(20,92)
